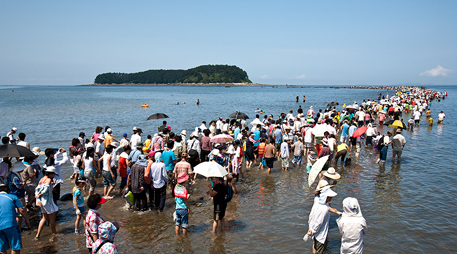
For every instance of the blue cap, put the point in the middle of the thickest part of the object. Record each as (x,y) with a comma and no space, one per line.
(125,134)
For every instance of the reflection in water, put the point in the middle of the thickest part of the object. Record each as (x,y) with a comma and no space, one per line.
(388,191)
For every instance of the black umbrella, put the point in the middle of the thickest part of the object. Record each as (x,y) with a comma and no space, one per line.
(332,104)
(239,115)
(157,116)
(15,151)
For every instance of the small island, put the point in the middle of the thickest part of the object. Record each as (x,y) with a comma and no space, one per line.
(214,75)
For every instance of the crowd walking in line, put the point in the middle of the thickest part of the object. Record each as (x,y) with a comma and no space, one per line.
(168,160)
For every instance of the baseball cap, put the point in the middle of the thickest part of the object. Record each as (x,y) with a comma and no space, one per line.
(14,129)
(125,134)
(102,200)
(135,128)
(82,134)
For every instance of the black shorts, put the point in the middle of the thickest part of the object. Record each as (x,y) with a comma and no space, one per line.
(353,141)
(219,211)
(270,162)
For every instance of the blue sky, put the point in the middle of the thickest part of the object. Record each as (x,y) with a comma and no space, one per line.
(276,42)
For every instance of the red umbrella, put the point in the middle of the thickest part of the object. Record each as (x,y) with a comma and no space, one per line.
(359,132)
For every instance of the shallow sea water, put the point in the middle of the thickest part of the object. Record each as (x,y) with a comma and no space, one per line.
(409,207)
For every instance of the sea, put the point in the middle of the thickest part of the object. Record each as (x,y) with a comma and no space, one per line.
(409,207)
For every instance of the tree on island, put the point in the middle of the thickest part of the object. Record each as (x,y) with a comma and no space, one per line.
(202,74)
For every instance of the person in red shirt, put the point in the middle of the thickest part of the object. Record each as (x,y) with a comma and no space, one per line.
(123,162)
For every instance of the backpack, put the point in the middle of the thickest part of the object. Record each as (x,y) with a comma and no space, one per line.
(381,143)
(193,154)
(229,194)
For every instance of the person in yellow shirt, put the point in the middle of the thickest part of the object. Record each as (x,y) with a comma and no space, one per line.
(430,121)
(428,113)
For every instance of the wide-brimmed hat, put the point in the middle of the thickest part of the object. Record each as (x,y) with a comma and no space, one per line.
(36,150)
(399,130)
(135,128)
(331,173)
(182,177)
(231,150)
(215,152)
(183,133)
(50,169)
(18,166)
(101,137)
(322,184)
(139,145)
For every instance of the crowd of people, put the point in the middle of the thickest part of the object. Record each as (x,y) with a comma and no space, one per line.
(146,168)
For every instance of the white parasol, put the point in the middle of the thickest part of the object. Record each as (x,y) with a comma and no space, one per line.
(316,169)
(210,169)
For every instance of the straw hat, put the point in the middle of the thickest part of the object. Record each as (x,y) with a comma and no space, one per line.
(183,133)
(331,173)
(323,183)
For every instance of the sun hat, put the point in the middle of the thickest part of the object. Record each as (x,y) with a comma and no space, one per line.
(390,132)
(36,150)
(322,184)
(183,133)
(331,173)
(114,144)
(139,145)
(109,130)
(18,166)
(398,130)
(101,137)
(231,150)
(125,134)
(89,145)
(182,177)
(215,152)
(14,129)
(135,128)
(83,181)
(50,169)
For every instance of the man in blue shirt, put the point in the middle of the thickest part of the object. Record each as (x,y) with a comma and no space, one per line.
(278,139)
(350,132)
(10,232)
(169,159)
(344,132)
(135,153)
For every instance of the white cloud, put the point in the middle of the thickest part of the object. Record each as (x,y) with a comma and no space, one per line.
(300,77)
(436,72)
(264,77)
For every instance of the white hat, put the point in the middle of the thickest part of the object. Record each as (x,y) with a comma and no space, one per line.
(215,152)
(114,144)
(101,137)
(14,129)
(322,184)
(50,169)
(18,166)
(231,150)
(135,128)
(89,145)
(183,132)
(109,130)
(331,173)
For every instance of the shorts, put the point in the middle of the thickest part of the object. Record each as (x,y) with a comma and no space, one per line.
(262,160)
(10,238)
(219,211)
(108,179)
(249,155)
(278,146)
(91,179)
(353,141)
(269,162)
(397,152)
(49,208)
(285,162)
(170,175)
(344,139)
(320,248)
(182,217)
(123,182)
(82,209)
(308,144)
(416,121)
(298,160)
(369,140)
